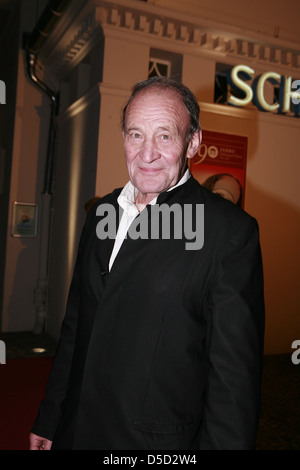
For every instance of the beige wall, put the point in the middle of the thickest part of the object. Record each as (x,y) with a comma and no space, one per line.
(21,258)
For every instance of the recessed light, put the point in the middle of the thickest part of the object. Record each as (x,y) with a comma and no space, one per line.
(39,350)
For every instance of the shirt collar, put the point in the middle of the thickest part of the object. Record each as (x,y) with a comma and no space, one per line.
(128,194)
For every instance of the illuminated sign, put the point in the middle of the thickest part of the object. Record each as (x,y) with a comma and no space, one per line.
(289,90)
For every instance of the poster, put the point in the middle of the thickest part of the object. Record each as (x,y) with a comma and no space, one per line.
(24,219)
(220,165)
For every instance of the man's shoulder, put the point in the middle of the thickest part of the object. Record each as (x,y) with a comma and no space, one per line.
(110,198)
(217,207)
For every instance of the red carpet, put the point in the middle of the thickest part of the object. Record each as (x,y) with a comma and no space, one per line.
(22,387)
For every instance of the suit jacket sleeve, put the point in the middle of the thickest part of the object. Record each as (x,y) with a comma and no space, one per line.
(236,316)
(50,408)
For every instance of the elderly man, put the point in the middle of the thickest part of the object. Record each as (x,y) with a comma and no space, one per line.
(161,346)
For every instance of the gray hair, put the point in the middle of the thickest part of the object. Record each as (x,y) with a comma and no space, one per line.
(163,83)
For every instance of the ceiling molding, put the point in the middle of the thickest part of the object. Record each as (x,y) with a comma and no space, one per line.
(149,22)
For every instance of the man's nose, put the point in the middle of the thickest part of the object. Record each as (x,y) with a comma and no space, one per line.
(149,151)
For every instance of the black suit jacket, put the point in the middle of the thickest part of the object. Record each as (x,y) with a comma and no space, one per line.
(165,351)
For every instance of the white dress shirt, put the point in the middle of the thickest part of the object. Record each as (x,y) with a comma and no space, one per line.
(126,201)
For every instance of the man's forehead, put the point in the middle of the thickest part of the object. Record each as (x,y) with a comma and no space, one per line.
(164,99)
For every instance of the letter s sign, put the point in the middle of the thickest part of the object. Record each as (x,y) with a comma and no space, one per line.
(296,354)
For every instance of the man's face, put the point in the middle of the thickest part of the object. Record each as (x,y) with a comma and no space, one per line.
(155,143)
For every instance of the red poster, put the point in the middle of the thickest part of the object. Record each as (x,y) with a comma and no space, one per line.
(220,165)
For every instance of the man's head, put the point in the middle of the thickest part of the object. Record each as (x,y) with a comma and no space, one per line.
(164,83)
(161,131)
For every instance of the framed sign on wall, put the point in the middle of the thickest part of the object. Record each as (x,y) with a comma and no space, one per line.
(220,165)
(24,219)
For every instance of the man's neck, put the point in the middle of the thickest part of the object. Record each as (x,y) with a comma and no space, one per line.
(142,200)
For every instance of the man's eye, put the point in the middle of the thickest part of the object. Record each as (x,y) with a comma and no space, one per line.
(165,137)
(136,135)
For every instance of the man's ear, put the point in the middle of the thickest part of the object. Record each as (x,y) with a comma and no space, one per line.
(194,144)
